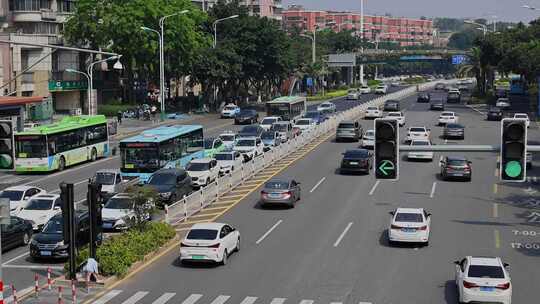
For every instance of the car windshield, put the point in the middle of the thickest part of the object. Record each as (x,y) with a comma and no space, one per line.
(162,179)
(245,143)
(352,91)
(277,185)
(12,195)
(454,126)
(303,122)
(521,116)
(372,108)
(346,125)
(325,105)
(381,87)
(312,115)
(279,127)
(420,143)
(394,115)
(105,178)
(268,135)
(268,121)
(484,271)
(456,162)
(230,108)
(227,137)
(53,226)
(224,156)
(202,234)
(495,110)
(409,217)
(417,130)
(447,114)
(119,203)
(39,204)
(370,133)
(250,129)
(356,154)
(247,113)
(198,166)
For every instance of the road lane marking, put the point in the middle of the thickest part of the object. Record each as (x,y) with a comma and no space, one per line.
(497,238)
(278,301)
(317,185)
(374,187)
(220,299)
(136,297)
(268,232)
(307,302)
(342,235)
(192,299)
(108,296)
(249,300)
(495,210)
(364,302)
(164,298)
(495,188)
(433,190)
(15,258)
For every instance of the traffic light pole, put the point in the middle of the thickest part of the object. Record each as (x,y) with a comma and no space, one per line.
(460,148)
(94,213)
(68,217)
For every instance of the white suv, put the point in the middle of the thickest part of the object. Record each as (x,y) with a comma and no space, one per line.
(267,122)
(417,133)
(373,112)
(381,89)
(250,147)
(202,171)
(364,89)
(398,116)
(228,161)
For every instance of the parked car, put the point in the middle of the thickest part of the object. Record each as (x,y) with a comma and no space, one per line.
(209,242)
(350,130)
(327,107)
(267,122)
(171,185)
(355,161)
(271,139)
(456,167)
(212,146)
(230,111)
(250,131)
(284,128)
(19,196)
(202,171)
(50,242)
(423,97)
(280,192)
(228,161)
(454,130)
(494,113)
(246,117)
(250,147)
(391,105)
(119,211)
(373,112)
(16,233)
(381,89)
(40,209)
(353,94)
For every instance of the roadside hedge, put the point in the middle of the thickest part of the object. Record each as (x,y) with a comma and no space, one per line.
(118,253)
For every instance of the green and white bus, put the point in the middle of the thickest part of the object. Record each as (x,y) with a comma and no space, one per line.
(289,108)
(73,140)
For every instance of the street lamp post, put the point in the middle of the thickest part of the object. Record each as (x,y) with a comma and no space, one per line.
(214,25)
(313,47)
(88,87)
(362,39)
(90,71)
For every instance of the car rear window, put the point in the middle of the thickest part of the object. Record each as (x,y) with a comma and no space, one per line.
(454,126)
(373,108)
(268,121)
(279,185)
(447,114)
(346,125)
(356,154)
(418,130)
(457,162)
(482,271)
(420,143)
(202,234)
(223,156)
(301,122)
(409,217)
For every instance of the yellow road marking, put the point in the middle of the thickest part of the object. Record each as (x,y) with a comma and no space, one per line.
(496,172)
(203,215)
(213,208)
(495,210)
(497,239)
(495,188)
(189,222)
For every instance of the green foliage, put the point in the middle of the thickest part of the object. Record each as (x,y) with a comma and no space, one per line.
(118,253)
(328,95)
(373,82)
(144,199)
(414,80)
(464,40)
(448,24)
(110,110)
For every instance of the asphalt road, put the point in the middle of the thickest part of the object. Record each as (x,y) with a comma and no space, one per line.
(332,248)
(19,269)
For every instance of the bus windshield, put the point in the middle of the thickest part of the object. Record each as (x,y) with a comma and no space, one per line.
(145,158)
(30,146)
(281,110)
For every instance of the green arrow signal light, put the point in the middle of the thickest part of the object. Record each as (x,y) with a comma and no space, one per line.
(386,167)
(513,169)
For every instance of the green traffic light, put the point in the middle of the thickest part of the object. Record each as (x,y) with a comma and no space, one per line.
(512,169)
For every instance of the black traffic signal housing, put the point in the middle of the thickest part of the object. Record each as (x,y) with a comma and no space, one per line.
(386,149)
(513,165)
(94,211)
(7,146)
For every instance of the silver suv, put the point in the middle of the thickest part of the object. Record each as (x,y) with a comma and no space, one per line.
(350,130)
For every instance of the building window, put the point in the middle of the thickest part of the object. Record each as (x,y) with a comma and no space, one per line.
(65,6)
(29,5)
(46,28)
(319,19)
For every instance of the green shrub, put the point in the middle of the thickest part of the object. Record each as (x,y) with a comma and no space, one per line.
(118,253)
(373,82)
(328,95)
(110,110)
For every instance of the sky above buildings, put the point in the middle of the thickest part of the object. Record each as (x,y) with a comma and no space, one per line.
(505,10)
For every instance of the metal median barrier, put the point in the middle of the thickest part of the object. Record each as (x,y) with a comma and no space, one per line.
(188,206)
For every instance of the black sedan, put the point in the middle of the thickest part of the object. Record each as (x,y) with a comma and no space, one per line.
(423,97)
(437,105)
(456,167)
(391,105)
(356,161)
(454,130)
(17,233)
(246,117)
(495,114)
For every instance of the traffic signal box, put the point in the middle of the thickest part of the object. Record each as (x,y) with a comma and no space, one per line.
(6,144)
(513,164)
(386,149)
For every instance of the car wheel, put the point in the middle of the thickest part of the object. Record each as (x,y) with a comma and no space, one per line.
(93,155)
(62,164)
(26,238)
(173,199)
(237,249)
(224,259)
(207,181)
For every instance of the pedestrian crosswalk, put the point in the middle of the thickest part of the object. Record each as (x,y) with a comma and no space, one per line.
(146,297)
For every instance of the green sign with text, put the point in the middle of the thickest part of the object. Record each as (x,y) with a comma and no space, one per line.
(58,85)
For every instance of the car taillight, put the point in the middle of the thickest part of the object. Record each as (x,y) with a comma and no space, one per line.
(287,194)
(395,227)
(264,193)
(504,286)
(422,228)
(467,168)
(469,284)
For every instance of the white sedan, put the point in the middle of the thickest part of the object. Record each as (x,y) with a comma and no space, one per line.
(398,116)
(373,112)
(420,155)
(368,140)
(364,89)
(503,103)
(447,118)
(267,122)
(19,196)
(40,209)
(409,225)
(304,124)
(524,116)
(212,242)
(353,94)
(415,133)
(482,280)
(326,107)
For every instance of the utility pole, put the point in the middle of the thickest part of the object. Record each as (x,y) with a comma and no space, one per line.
(362,39)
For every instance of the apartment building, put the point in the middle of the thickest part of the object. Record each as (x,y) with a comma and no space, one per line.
(264,8)
(405,31)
